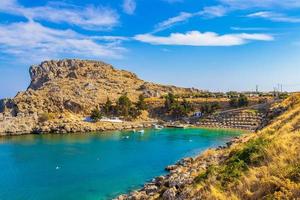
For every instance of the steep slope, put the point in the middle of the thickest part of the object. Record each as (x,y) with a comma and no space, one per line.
(264,165)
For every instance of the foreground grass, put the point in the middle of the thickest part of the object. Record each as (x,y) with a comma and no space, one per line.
(267,166)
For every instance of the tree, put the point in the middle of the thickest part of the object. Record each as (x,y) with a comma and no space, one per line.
(141,104)
(123,105)
(178,110)
(134,112)
(108,107)
(215,106)
(243,100)
(96,115)
(233,102)
(188,107)
(169,101)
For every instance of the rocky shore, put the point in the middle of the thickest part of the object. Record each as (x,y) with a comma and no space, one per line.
(178,183)
(29,124)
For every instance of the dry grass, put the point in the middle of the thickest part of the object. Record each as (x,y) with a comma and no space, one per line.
(265,167)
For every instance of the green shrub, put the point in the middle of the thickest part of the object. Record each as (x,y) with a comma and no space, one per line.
(96,115)
(141,104)
(108,108)
(204,175)
(251,154)
(243,101)
(123,105)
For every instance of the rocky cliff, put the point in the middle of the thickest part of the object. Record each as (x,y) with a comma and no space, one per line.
(80,85)
(76,87)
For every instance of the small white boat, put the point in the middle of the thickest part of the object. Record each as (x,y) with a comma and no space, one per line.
(158,127)
(141,131)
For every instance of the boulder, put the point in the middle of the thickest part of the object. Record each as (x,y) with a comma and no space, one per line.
(169,194)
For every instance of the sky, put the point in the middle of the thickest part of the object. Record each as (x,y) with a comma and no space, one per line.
(217,45)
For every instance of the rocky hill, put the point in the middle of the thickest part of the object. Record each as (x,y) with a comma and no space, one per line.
(73,87)
(78,86)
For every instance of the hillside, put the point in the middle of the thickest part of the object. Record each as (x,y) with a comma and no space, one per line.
(67,90)
(80,85)
(264,165)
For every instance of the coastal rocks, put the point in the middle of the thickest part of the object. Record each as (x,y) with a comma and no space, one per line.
(72,106)
(171,167)
(17,125)
(150,188)
(169,194)
(175,185)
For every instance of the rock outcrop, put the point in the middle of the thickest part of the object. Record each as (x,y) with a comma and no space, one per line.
(80,85)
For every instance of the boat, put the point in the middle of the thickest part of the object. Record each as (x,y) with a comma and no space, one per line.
(141,131)
(158,127)
(178,126)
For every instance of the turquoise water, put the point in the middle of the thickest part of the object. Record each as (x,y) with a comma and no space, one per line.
(94,166)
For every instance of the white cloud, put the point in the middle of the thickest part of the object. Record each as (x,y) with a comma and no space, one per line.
(196,38)
(207,12)
(31,40)
(241,4)
(213,11)
(172,21)
(248,28)
(277,17)
(88,17)
(129,6)
(226,6)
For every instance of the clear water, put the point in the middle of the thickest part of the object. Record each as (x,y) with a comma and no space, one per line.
(94,166)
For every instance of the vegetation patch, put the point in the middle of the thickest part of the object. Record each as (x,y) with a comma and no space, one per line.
(43,117)
(294,174)
(253,153)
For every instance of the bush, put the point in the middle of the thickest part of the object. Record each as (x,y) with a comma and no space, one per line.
(96,115)
(45,117)
(252,154)
(233,102)
(134,112)
(239,102)
(209,108)
(175,108)
(141,104)
(123,105)
(243,101)
(169,102)
(108,108)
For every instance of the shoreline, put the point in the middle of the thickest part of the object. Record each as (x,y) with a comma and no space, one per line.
(181,173)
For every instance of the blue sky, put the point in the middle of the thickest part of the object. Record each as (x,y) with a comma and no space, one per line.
(218,45)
